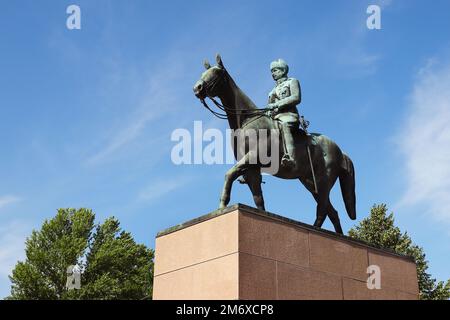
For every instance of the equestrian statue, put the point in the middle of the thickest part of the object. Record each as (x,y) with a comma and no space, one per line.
(312,158)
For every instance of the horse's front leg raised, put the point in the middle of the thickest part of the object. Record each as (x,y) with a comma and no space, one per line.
(231,175)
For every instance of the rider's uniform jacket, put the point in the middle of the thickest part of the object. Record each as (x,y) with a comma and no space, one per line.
(287,104)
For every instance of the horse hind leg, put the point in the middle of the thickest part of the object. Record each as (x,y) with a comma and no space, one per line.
(324,209)
(334,217)
(254,179)
(322,202)
(321,209)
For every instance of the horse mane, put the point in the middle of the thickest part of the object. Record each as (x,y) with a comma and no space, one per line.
(239,100)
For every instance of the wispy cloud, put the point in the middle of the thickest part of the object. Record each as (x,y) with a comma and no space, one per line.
(12,249)
(160,188)
(424,142)
(357,59)
(355,54)
(352,46)
(156,101)
(8,199)
(384,3)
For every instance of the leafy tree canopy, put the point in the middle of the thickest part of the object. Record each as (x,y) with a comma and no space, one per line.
(112,264)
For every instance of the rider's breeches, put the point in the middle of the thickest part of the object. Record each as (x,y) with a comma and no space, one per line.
(286,128)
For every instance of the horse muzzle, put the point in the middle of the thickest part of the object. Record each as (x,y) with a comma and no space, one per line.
(199,89)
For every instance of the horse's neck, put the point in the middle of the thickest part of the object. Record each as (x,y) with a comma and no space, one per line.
(237,100)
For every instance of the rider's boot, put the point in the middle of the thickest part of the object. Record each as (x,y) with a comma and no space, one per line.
(288,157)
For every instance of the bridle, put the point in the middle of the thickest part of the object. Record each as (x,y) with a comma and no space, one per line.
(209,87)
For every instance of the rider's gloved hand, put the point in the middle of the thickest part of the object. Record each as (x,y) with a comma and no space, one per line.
(273,109)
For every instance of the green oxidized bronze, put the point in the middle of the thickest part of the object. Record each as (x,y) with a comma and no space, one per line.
(283,101)
(313,158)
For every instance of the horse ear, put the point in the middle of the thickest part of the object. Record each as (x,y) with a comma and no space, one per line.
(206,64)
(219,61)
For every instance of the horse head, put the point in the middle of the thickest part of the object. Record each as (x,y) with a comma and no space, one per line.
(212,80)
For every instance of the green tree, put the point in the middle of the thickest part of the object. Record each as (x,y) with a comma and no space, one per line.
(379,230)
(112,264)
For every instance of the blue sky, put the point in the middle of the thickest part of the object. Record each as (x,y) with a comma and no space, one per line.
(86,115)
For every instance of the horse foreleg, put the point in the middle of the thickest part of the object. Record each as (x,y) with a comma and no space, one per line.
(254,179)
(231,175)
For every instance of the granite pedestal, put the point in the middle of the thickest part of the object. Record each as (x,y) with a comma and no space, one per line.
(245,253)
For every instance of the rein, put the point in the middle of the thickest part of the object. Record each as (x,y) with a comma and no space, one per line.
(228,110)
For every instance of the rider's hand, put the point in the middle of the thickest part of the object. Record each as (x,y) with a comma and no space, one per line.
(272,109)
(272,112)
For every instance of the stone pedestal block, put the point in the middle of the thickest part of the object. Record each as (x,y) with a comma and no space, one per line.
(244,253)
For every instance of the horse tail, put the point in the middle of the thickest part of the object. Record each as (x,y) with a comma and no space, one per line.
(347,182)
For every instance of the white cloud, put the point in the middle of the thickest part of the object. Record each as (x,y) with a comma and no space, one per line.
(384,3)
(7,200)
(160,188)
(12,244)
(424,142)
(12,249)
(156,101)
(360,59)
(360,62)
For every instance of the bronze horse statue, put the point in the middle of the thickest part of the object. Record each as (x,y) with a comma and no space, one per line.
(328,162)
